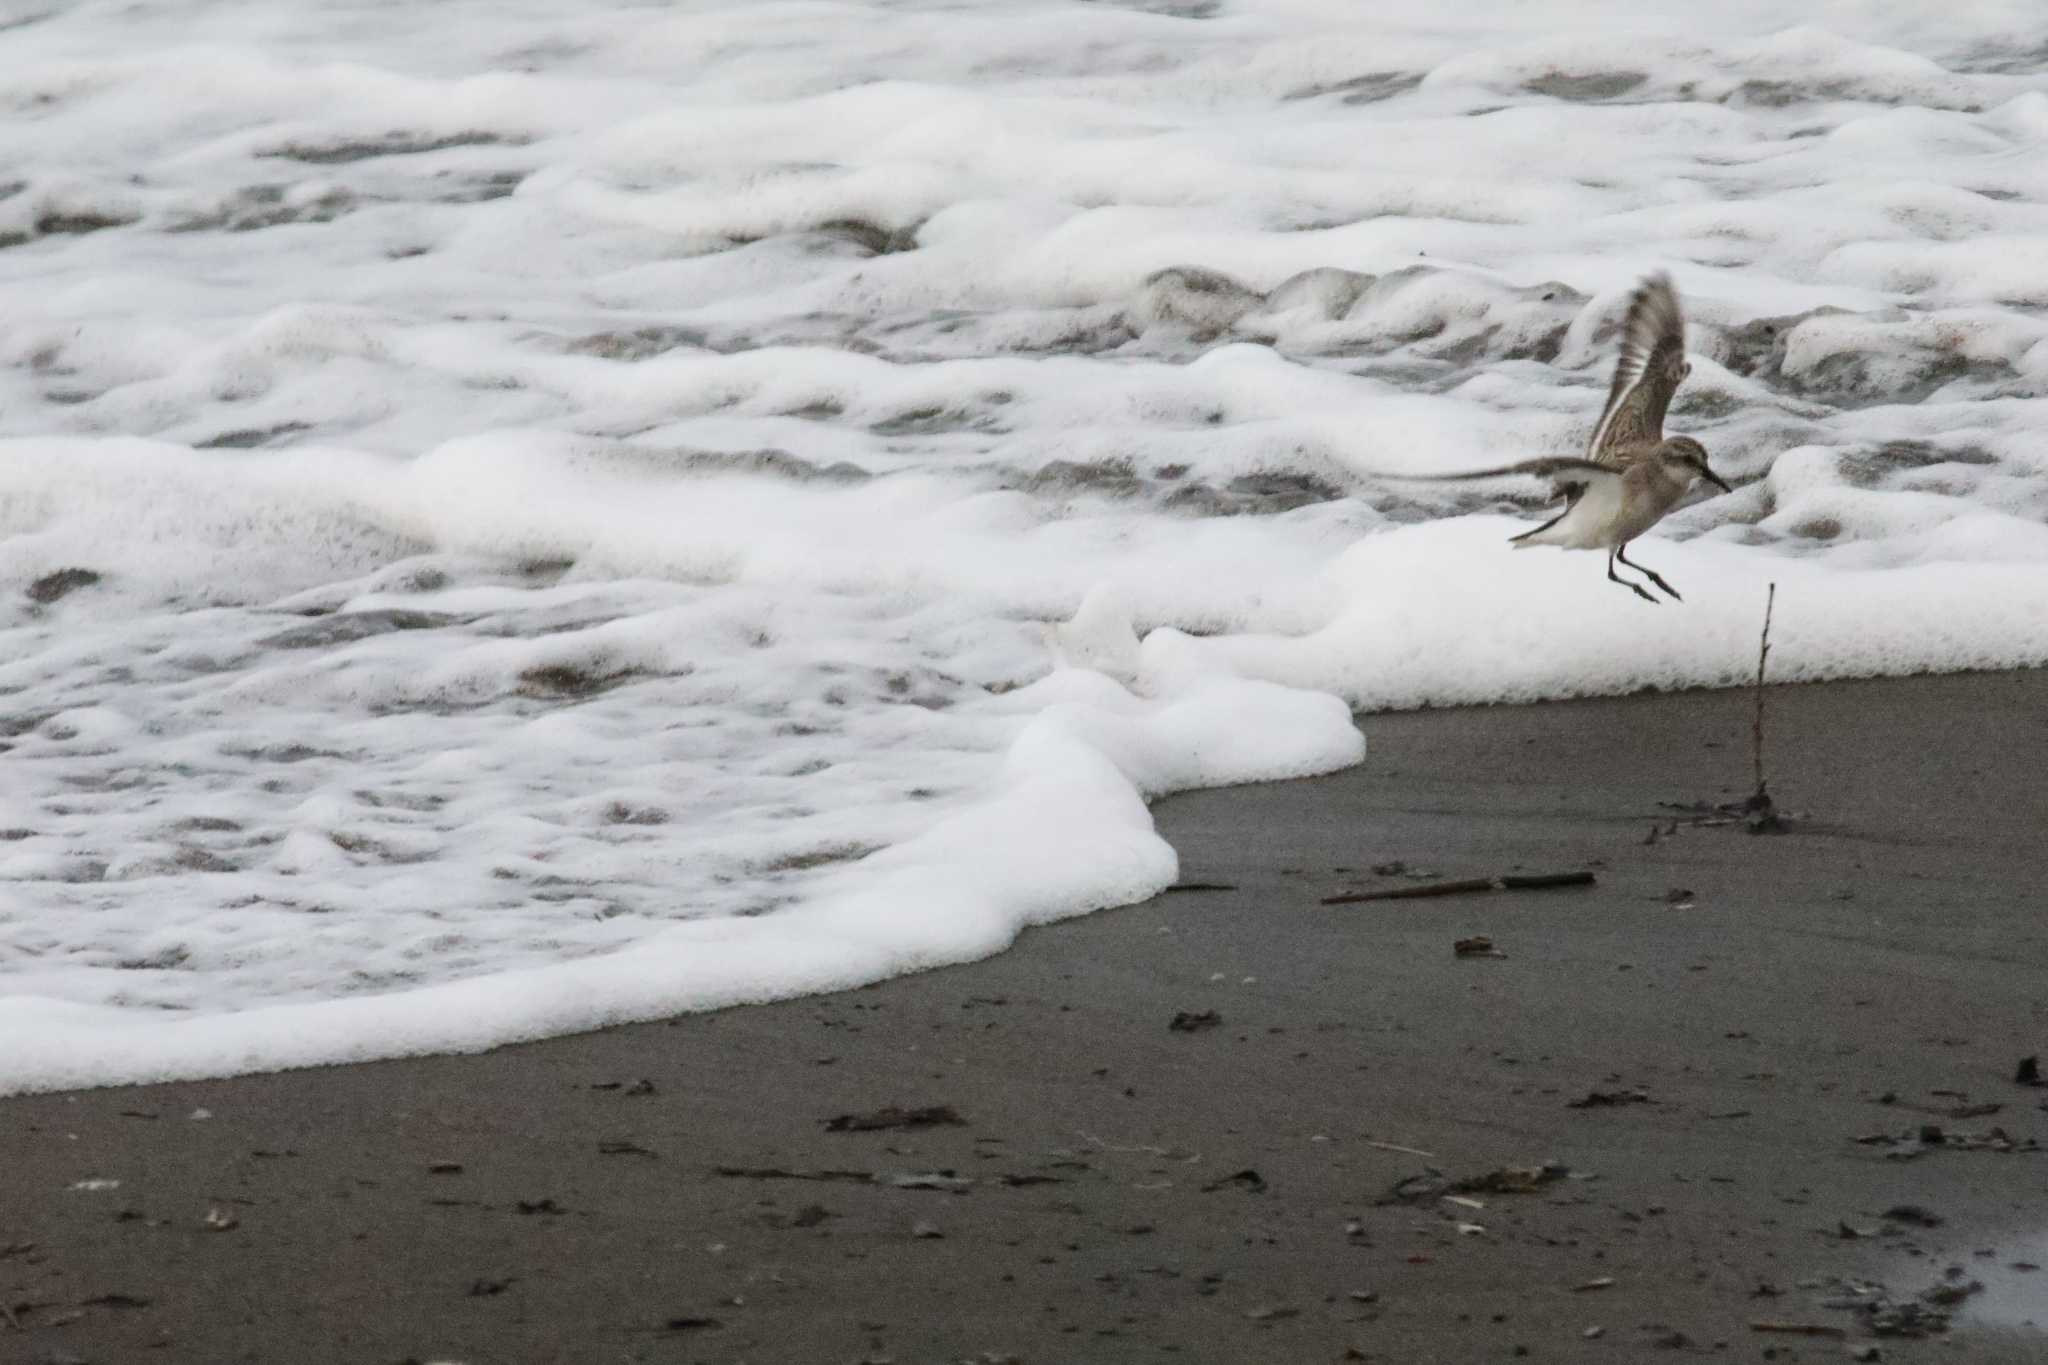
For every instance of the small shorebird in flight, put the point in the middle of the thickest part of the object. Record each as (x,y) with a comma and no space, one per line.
(1631,473)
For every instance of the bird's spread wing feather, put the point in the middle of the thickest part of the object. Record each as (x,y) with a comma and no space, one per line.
(1568,473)
(1646,375)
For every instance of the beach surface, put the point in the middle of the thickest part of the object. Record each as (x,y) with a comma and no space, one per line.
(1698,1046)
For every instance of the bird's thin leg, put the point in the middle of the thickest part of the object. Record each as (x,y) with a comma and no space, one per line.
(1651,574)
(1635,588)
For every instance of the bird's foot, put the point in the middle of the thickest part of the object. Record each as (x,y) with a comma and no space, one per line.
(1651,576)
(1621,557)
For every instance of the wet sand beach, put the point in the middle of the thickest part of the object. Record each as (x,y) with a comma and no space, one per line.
(1676,1066)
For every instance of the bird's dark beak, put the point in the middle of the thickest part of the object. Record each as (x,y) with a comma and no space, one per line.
(1717,480)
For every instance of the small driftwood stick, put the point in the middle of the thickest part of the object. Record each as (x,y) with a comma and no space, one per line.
(1535,881)
(1800,1329)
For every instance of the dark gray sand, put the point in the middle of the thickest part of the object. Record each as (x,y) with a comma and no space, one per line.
(1119,1190)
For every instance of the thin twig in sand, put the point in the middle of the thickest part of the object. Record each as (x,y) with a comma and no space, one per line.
(1756,733)
(1759,812)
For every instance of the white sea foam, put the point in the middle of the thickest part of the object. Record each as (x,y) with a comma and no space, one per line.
(595,511)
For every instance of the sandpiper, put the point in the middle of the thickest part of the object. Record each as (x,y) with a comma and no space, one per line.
(1631,473)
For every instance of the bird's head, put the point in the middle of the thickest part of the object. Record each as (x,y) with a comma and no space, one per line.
(1686,460)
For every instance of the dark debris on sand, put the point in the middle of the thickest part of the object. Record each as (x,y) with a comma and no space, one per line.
(1932,1137)
(1609,1099)
(891,1117)
(1421,1189)
(1757,814)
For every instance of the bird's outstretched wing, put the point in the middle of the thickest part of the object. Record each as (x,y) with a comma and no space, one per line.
(1648,372)
(1568,473)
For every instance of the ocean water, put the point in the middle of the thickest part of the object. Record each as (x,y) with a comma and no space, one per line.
(515,518)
